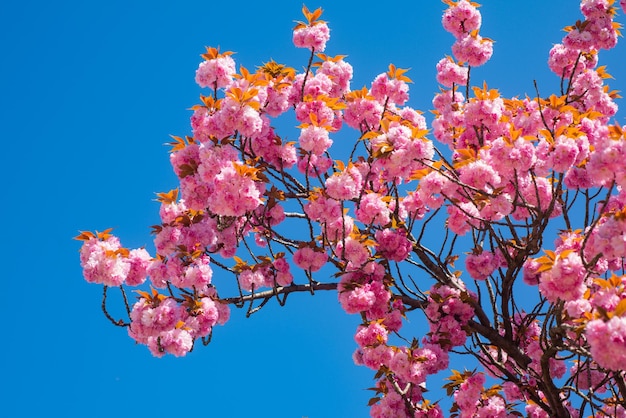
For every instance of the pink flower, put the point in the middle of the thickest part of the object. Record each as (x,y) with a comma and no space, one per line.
(462,218)
(313,164)
(216,73)
(598,32)
(461,18)
(345,184)
(373,210)
(252,279)
(535,411)
(353,251)
(587,376)
(363,113)
(468,394)
(480,266)
(473,49)
(377,356)
(565,280)
(562,60)
(176,341)
(358,299)
(450,73)
(340,72)
(310,259)
(283,274)
(139,261)
(413,206)
(493,407)
(607,342)
(387,90)
(312,37)
(196,274)
(433,187)
(391,405)
(577,308)
(324,114)
(594,8)
(371,335)
(203,318)
(315,139)
(479,175)
(511,391)
(393,244)
(149,319)
(323,209)
(235,191)
(106,262)
(277,100)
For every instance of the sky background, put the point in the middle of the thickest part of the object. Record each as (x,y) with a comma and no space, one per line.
(89,93)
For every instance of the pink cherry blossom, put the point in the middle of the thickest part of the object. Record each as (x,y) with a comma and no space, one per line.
(358,299)
(607,341)
(235,192)
(308,258)
(481,265)
(176,341)
(372,209)
(315,139)
(371,335)
(461,18)
(393,244)
(139,261)
(203,318)
(389,90)
(468,394)
(216,73)
(565,280)
(353,250)
(312,37)
(362,113)
(473,49)
(450,73)
(340,73)
(104,262)
(345,184)
(252,279)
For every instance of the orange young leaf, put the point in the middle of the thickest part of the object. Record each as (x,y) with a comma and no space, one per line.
(398,73)
(418,174)
(213,53)
(615,131)
(370,135)
(180,143)
(143,294)
(104,234)
(359,94)
(169,197)
(336,58)
(84,236)
(602,72)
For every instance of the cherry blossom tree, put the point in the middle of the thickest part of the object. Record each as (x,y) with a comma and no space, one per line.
(525,196)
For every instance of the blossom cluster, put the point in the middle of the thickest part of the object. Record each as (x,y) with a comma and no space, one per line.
(270,211)
(167,326)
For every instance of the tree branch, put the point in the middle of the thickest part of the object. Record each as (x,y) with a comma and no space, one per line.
(280,290)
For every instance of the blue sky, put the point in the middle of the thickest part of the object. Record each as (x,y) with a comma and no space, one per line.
(89,93)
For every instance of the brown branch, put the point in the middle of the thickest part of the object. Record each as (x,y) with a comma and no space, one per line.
(281,290)
(512,349)
(119,323)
